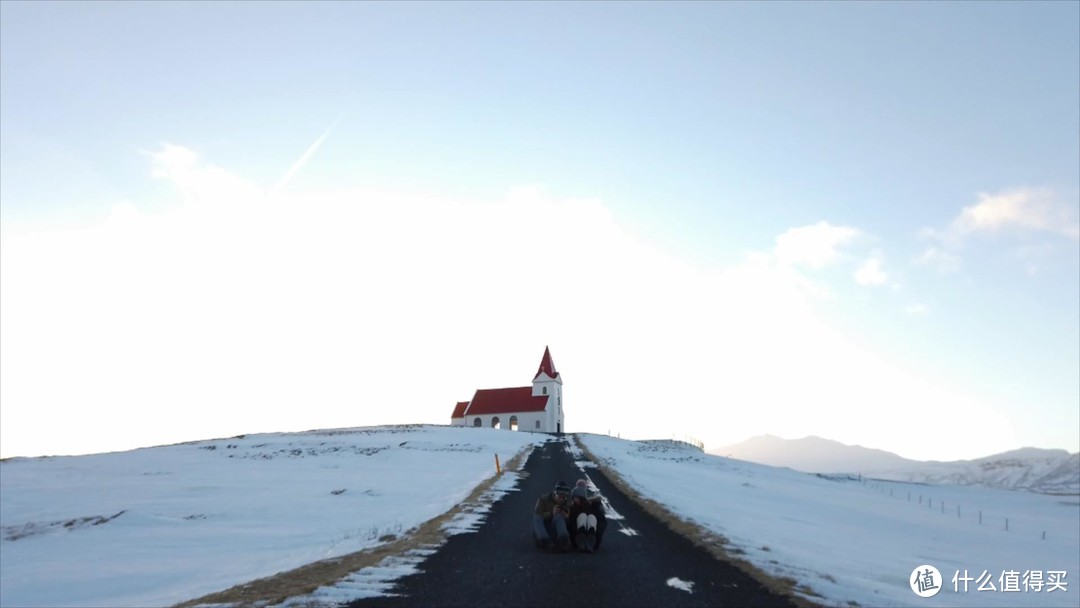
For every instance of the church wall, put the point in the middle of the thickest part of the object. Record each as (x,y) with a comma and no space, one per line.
(526,421)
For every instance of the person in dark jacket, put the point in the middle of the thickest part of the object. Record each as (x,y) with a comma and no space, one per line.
(587,518)
(550,517)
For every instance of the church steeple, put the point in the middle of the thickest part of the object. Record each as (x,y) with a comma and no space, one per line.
(547,382)
(547,366)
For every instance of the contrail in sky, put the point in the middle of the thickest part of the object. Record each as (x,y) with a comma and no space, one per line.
(304,158)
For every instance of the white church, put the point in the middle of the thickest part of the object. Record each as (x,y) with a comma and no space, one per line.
(527,408)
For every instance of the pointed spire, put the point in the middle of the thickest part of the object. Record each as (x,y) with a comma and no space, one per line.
(546,366)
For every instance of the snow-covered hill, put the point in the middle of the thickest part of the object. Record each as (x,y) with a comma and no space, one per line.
(1032,469)
(1035,470)
(812,455)
(158,526)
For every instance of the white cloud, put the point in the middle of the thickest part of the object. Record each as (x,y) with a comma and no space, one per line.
(199,182)
(870,273)
(821,245)
(237,312)
(814,246)
(917,309)
(1022,212)
(945,261)
(1020,209)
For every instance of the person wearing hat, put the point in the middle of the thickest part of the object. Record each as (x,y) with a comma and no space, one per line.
(587,518)
(550,516)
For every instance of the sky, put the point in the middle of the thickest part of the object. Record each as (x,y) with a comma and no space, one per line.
(187,509)
(724,219)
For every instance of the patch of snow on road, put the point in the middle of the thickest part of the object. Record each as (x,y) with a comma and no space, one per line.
(375,581)
(676,582)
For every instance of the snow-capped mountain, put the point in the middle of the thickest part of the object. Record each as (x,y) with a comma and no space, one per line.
(813,455)
(1032,469)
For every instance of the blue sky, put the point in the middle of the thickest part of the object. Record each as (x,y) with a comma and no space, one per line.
(855,220)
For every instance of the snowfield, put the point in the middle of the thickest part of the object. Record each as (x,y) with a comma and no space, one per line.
(158,526)
(851,540)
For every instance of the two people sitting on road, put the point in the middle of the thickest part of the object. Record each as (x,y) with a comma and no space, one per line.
(587,518)
(570,518)
(550,518)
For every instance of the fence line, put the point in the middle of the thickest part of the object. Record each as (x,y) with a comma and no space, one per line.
(877,484)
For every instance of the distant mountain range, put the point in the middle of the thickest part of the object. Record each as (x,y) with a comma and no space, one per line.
(1032,469)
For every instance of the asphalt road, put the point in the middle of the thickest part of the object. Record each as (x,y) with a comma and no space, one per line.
(499,565)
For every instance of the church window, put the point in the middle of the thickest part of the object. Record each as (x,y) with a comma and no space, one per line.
(545,390)
(513,423)
(476,422)
(495,423)
(537,424)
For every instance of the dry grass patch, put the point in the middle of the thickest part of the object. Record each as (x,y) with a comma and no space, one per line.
(716,544)
(305,580)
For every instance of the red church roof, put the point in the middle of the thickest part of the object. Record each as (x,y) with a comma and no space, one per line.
(505,401)
(459,409)
(547,366)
